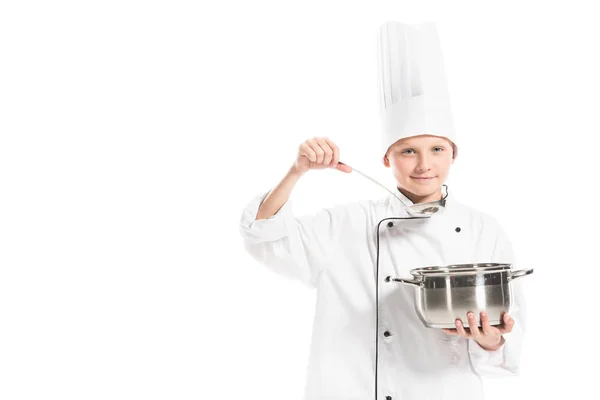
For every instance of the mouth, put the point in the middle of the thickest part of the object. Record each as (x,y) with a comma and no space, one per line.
(422,178)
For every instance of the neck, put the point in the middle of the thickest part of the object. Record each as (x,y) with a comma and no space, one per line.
(416,199)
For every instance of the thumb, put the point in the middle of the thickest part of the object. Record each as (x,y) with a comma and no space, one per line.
(343,167)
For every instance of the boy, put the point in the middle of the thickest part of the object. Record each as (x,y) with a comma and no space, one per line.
(368,341)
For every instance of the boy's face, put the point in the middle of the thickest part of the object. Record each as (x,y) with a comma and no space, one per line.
(420,164)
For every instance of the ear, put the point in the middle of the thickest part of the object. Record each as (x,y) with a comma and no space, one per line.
(386,161)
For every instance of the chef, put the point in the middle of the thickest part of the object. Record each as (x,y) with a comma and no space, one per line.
(368,341)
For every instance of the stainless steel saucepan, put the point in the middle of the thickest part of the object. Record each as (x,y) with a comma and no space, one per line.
(443,294)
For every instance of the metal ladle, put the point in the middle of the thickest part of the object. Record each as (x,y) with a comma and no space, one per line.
(415,210)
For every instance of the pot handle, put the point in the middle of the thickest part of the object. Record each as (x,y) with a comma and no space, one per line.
(408,282)
(518,274)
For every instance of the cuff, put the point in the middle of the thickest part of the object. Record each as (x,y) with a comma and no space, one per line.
(270,229)
(479,355)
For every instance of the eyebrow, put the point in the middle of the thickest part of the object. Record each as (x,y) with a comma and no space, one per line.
(433,145)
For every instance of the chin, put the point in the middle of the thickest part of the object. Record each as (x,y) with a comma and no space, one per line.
(422,191)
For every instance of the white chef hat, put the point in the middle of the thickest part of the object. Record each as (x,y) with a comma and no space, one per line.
(414,94)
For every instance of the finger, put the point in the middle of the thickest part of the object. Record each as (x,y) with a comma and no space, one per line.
(485,324)
(509,324)
(343,167)
(308,152)
(450,331)
(326,149)
(475,332)
(317,149)
(461,329)
(336,152)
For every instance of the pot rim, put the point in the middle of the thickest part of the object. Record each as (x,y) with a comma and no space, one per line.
(462,269)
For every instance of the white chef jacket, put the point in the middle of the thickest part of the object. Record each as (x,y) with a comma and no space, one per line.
(367,341)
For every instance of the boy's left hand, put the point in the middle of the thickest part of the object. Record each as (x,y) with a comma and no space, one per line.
(489,337)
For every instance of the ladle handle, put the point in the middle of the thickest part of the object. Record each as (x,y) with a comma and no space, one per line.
(377,183)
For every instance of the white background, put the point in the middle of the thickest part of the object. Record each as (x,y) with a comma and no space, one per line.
(134,132)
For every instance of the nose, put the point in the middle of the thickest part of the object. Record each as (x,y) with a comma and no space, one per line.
(424,164)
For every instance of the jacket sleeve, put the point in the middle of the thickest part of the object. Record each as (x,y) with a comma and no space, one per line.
(295,247)
(506,360)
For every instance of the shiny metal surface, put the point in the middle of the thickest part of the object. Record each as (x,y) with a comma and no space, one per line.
(460,269)
(443,294)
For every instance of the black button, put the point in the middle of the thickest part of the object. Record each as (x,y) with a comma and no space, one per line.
(390,224)
(387,334)
(457,229)
(388,278)
(388,397)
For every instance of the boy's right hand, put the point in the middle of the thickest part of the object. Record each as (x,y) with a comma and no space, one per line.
(319,153)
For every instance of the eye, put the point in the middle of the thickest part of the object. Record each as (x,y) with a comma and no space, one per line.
(438,149)
(407,151)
